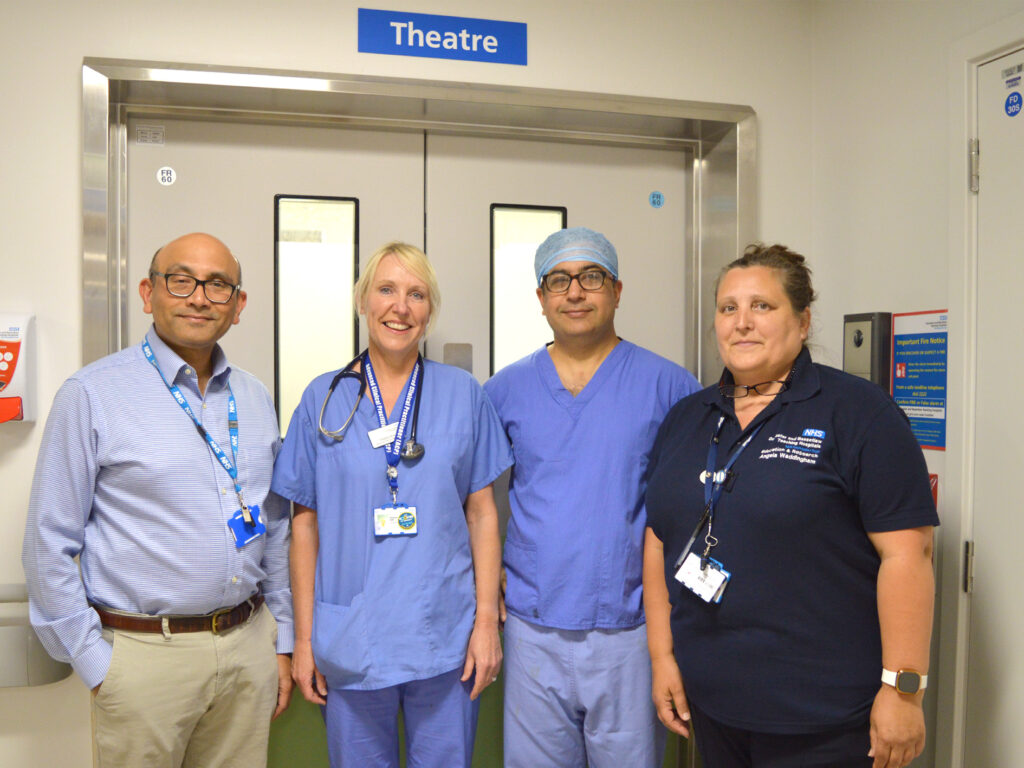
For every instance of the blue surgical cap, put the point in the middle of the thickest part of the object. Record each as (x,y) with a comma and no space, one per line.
(575,244)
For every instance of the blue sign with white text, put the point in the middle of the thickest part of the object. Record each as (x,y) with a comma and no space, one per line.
(441,37)
(919,384)
(1013,104)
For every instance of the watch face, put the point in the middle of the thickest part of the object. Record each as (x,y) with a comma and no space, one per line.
(908,682)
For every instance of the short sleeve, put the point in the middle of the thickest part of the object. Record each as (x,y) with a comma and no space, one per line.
(295,466)
(491,452)
(495,391)
(683,385)
(891,477)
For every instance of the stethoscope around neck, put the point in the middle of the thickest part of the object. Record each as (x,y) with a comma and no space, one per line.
(411,450)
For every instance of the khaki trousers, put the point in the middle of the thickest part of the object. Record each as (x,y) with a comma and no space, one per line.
(191,700)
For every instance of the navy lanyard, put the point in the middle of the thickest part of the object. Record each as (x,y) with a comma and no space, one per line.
(393,451)
(714,481)
(230,467)
(714,484)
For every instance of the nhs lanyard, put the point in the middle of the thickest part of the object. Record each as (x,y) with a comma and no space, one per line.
(714,483)
(393,450)
(230,467)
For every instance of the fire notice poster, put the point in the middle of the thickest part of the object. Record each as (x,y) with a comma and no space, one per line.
(919,360)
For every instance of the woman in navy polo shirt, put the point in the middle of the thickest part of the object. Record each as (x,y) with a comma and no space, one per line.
(788,575)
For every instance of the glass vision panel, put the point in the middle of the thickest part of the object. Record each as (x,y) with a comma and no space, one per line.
(316,326)
(517,325)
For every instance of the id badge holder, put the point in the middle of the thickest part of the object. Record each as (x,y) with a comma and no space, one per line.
(394,520)
(242,531)
(706,583)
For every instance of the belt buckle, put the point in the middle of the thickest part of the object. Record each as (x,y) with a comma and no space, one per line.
(216,615)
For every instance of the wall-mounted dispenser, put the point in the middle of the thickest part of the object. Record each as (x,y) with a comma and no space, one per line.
(23,660)
(17,368)
(867,342)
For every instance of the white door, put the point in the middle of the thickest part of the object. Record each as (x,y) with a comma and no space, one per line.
(995,673)
(605,188)
(226,177)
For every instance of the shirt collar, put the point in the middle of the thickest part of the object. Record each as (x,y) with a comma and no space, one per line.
(173,366)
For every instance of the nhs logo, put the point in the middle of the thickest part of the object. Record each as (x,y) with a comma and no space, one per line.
(441,37)
(818,433)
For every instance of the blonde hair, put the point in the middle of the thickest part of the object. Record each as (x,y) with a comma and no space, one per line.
(412,259)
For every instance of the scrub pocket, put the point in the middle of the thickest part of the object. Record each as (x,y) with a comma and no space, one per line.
(521,594)
(340,645)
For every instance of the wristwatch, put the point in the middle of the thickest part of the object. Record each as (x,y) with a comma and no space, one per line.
(905,680)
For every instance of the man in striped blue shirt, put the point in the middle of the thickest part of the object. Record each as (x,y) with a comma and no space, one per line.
(154,471)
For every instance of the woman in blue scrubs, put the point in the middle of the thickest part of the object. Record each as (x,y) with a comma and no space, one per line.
(395,553)
(787,567)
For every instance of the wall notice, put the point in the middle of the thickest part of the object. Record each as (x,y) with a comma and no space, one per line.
(919,355)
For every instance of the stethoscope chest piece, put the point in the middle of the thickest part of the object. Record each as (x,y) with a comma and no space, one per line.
(411,450)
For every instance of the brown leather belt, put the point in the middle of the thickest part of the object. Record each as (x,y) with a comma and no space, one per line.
(216,622)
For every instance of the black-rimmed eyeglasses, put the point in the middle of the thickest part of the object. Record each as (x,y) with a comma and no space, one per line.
(216,290)
(764,388)
(589,280)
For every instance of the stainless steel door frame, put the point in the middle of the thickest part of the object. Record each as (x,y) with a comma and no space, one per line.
(722,137)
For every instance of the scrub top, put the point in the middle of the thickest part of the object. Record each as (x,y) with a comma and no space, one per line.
(392,609)
(574,549)
(794,646)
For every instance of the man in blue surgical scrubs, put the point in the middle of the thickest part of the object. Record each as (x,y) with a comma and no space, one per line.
(395,550)
(581,414)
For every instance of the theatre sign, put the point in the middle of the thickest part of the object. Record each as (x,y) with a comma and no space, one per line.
(441,37)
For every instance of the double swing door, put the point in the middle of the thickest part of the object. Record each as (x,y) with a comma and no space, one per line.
(264,188)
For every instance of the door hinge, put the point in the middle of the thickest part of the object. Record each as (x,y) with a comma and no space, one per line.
(973,162)
(968,567)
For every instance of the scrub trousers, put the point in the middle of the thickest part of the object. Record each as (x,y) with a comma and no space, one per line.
(722,746)
(578,698)
(440,724)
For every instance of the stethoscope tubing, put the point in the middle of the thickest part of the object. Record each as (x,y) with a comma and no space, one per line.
(411,449)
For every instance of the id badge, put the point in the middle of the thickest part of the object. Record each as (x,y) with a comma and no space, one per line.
(383,435)
(394,520)
(708,583)
(242,531)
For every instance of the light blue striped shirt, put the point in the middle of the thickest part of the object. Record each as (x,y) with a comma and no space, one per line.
(125,481)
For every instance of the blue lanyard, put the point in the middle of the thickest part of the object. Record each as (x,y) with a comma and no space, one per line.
(714,483)
(393,451)
(229,466)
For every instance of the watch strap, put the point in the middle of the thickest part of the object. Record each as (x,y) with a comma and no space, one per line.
(891,677)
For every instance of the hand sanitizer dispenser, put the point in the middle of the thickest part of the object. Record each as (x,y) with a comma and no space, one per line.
(17,368)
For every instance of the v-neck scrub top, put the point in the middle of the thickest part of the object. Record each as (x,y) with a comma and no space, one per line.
(574,547)
(392,609)
(794,646)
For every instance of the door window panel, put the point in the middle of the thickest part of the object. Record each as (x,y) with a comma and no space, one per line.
(314,268)
(517,325)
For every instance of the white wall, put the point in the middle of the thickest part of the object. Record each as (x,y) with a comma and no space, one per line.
(879,150)
(851,101)
(882,236)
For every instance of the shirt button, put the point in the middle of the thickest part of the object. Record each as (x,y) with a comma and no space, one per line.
(223,491)
(204,406)
(188,371)
(234,579)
